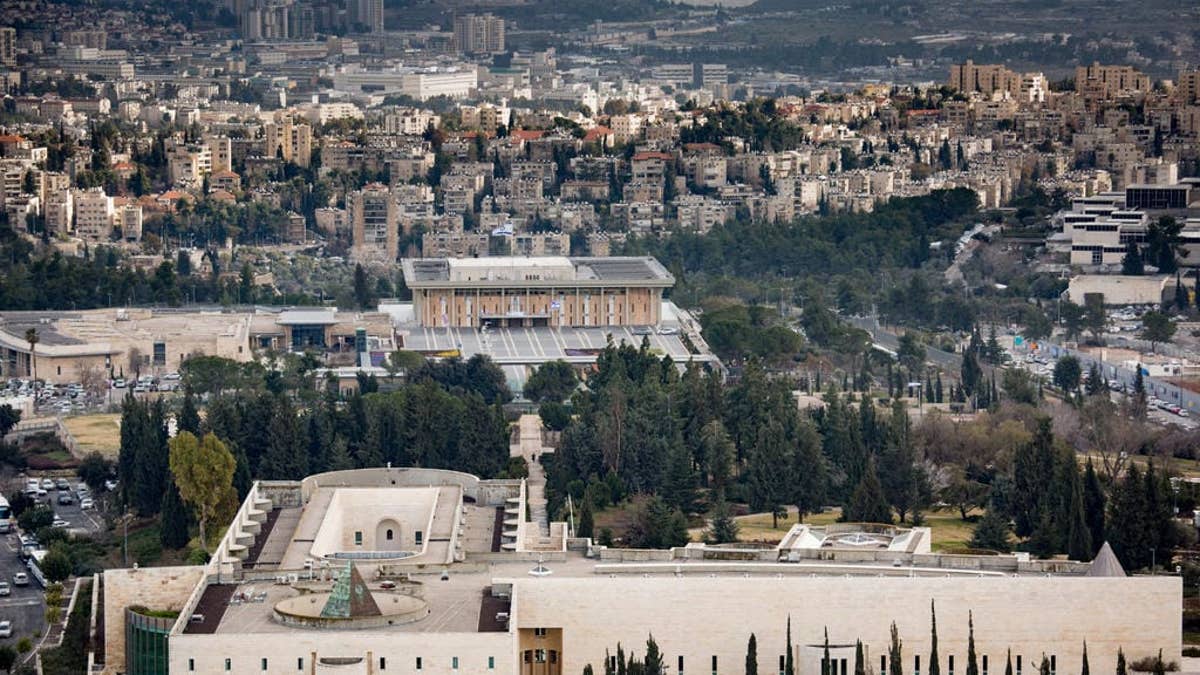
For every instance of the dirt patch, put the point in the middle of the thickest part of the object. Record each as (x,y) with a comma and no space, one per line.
(96,433)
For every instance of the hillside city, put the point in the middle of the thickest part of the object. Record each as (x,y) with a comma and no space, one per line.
(347,337)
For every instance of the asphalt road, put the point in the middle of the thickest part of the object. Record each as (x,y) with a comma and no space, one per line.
(945,360)
(25,608)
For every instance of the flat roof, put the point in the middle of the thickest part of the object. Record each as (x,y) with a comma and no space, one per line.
(294,317)
(588,271)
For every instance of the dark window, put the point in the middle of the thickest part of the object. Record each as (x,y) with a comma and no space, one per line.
(389,535)
(228,664)
(191,664)
(264,664)
(985,664)
(300,664)
(418,663)
(950,662)
(883,665)
(714,664)
(382,663)
(160,353)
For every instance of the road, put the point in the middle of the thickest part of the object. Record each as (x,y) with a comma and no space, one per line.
(948,361)
(25,608)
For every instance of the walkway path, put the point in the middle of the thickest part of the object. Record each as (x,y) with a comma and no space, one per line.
(529,445)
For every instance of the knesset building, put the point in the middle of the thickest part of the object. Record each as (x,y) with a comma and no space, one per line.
(419,571)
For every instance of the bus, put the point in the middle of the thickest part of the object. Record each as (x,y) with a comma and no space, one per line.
(5,515)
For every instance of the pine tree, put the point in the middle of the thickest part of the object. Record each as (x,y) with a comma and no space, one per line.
(1086,670)
(1008,663)
(724,529)
(972,659)
(1079,536)
(895,656)
(769,471)
(868,504)
(860,667)
(752,656)
(173,529)
(586,524)
(1121,662)
(679,483)
(621,665)
(935,668)
(937,388)
(991,533)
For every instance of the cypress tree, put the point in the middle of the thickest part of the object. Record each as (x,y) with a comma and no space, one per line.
(608,664)
(937,388)
(173,529)
(587,670)
(1121,662)
(621,665)
(972,659)
(1079,536)
(860,668)
(868,503)
(934,667)
(752,656)
(1008,664)
(825,662)
(1159,667)
(584,529)
(1086,670)
(1044,669)
(895,658)
(789,665)
(189,418)
(654,660)
(1094,503)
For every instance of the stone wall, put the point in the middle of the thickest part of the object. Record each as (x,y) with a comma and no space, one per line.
(159,588)
(699,617)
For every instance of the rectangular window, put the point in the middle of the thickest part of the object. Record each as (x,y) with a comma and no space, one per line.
(300,663)
(539,632)
(191,664)
(228,664)
(160,353)
(782,665)
(264,664)
(985,665)
(357,538)
(382,663)
(950,662)
(883,665)
(612,663)
(1053,664)
(418,537)
(917,664)
(418,663)
(454,663)
(492,663)
(1018,665)
(843,666)
(714,664)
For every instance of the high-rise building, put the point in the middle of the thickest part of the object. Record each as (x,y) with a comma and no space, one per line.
(8,46)
(1188,87)
(1110,80)
(989,79)
(479,34)
(374,221)
(288,140)
(367,15)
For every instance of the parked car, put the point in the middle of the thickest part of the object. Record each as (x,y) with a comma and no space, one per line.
(62,484)
(668,330)
(59,522)
(86,504)
(65,498)
(5,629)
(5,589)
(641,330)
(20,579)
(119,383)
(110,484)
(47,484)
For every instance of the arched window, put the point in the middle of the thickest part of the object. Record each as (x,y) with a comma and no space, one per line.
(389,535)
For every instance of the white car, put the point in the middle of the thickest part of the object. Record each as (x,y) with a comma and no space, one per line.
(5,629)
(5,589)
(20,579)
(59,522)
(47,484)
(86,504)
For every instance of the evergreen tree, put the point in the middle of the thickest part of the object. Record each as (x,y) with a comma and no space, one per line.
(809,476)
(1008,669)
(900,474)
(1094,504)
(752,656)
(173,528)
(1121,662)
(724,529)
(1044,669)
(991,533)
(653,663)
(1086,670)
(586,524)
(937,388)
(789,665)
(860,667)
(189,418)
(679,484)
(1131,264)
(769,471)
(972,659)
(826,663)
(935,667)
(895,657)
(1079,536)
(868,503)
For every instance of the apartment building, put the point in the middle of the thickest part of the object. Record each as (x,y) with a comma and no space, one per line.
(8,46)
(374,222)
(478,34)
(94,214)
(289,140)
(1109,81)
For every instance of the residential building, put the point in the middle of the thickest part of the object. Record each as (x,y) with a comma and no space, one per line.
(374,222)
(94,214)
(289,140)
(478,34)
(8,46)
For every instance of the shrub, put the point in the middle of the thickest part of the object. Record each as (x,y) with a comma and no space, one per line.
(1148,664)
(36,518)
(1191,652)
(197,556)
(24,645)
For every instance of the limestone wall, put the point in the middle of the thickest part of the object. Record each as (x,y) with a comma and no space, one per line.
(389,477)
(699,617)
(305,648)
(161,588)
